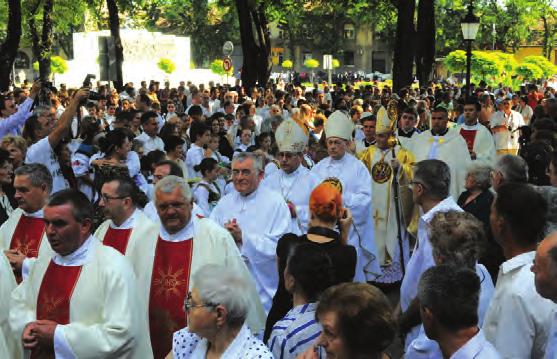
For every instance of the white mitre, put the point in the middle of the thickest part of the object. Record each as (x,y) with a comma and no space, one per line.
(291,136)
(339,125)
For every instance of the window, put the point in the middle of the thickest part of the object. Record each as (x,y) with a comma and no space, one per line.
(307,56)
(378,62)
(349,31)
(348,58)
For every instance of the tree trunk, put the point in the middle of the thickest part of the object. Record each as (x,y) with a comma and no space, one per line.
(256,46)
(114,23)
(8,49)
(546,42)
(425,41)
(404,45)
(45,46)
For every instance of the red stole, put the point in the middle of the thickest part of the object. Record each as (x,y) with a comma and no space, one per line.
(53,301)
(169,287)
(28,235)
(469,137)
(117,238)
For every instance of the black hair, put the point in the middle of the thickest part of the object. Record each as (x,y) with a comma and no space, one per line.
(147,116)
(4,156)
(112,140)
(197,129)
(311,268)
(171,142)
(175,170)
(206,165)
(473,101)
(82,207)
(195,110)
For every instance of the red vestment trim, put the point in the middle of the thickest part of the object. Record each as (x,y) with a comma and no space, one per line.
(117,239)
(469,136)
(27,238)
(169,287)
(55,293)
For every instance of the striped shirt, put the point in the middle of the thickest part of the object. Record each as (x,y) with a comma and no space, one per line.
(295,333)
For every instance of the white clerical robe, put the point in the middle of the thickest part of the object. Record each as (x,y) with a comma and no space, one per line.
(451,149)
(6,233)
(10,346)
(264,218)
(484,144)
(141,228)
(356,196)
(295,187)
(106,320)
(384,212)
(212,244)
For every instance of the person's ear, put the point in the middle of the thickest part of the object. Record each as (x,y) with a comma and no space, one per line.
(221,314)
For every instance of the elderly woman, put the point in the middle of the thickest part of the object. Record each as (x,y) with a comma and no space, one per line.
(357,322)
(326,213)
(216,310)
(17,147)
(456,238)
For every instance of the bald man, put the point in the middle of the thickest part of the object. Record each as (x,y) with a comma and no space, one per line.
(545,271)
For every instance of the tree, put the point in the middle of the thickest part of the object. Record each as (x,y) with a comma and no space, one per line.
(485,66)
(425,41)
(166,65)
(218,69)
(42,46)
(547,68)
(336,63)
(404,45)
(456,61)
(311,63)
(529,71)
(287,64)
(114,23)
(8,49)
(58,65)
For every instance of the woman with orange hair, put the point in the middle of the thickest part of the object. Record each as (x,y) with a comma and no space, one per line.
(328,229)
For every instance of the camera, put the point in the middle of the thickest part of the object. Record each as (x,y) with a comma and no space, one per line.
(93,96)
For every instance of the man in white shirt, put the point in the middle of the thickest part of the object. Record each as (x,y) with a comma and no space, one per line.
(505,126)
(200,136)
(257,217)
(43,150)
(449,299)
(151,141)
(430,190)
(82,302)
(518,320)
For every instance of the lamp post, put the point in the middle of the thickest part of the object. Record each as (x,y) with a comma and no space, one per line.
(470,25)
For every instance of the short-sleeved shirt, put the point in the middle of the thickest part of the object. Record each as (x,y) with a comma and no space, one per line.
(41,152)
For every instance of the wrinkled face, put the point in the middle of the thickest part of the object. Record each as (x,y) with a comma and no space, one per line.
(369,129)
(201,319)
(336,147)
(6,173)
(29,198)
(46,123)
(407,121)
(289,161)
(174,210)
(64,233)
(110,202)
(470,114)
(545,272)
(245,177)
(439,121)
(470,182)
(150,127)
(331,338)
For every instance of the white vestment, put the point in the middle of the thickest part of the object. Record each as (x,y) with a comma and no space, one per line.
(264,218)
(484,144)
(295,187)
(211,245)
(451,149)
(106,320)
(356,196)
(10,345)
(505,130)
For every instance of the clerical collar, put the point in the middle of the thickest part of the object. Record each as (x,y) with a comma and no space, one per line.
(442,133)
(403,133)
(293,173)
(78,257)
(128,223)
(470,127)
(249,195)
(182,235)
(37,214)
(367,144)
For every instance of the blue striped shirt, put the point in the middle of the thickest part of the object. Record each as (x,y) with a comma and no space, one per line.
(295,333)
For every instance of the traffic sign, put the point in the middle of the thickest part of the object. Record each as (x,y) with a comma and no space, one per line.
(226,64)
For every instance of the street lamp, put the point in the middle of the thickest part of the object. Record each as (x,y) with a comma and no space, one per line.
(470,25)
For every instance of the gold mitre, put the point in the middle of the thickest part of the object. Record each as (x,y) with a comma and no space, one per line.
(291,136)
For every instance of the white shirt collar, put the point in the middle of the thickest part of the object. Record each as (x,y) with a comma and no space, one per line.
(518,261)
(445,205)
(293,173)
(128,223)
(471,348)
(184,234)
(78,257)
(37,214)
(234,350)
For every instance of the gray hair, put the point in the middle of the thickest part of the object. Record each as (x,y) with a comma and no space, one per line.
(513,168)
(481,174)
(219,286)
(257,160)
(37,173)
(169,183)
(435,175)
(41,109)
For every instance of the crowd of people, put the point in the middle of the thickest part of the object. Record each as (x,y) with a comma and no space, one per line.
(337,221)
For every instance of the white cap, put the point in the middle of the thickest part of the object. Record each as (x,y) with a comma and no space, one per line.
(339,125)
(291,136)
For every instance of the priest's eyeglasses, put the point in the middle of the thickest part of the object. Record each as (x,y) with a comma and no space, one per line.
(188,305)
(107,198)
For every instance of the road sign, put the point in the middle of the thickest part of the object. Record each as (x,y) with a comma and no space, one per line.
(226,64)
(227,48)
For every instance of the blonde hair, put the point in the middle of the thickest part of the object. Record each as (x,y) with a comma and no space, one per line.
(17,141)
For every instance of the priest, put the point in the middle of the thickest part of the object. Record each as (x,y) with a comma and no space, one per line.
(384,162)
(479,140)
(354,178)
(445,144)
(257,217)
(22,236)
(82,302)
(9,344)
(126,226)
(165,264)
(407,126)
(293,181)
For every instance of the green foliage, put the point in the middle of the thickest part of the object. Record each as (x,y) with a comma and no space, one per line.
(287,64)
(57,65)
(311,63)
(336,63)
(166,65)
(192,65)
(486,66)
(547,68)
(529,71)
(216,68)
(456,61)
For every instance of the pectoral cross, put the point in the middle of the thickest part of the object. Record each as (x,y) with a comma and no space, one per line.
(377,218)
